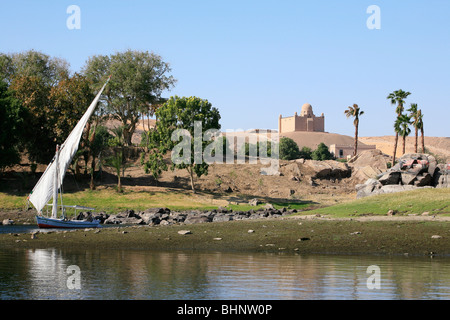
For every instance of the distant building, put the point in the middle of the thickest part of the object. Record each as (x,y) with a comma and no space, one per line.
(306,121)
(342,151)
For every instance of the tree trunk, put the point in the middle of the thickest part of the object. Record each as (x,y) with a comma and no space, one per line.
(423,140)
(191,175)
(128,133)
(395,148)
(119,184)
(416,142)
(404,144)
(356,140)
(77,169)
(92,185)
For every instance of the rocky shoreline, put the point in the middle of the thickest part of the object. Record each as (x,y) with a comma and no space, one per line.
(303,235)
(164,216)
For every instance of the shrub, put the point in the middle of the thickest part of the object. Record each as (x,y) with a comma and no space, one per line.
(288,149)
(322,153)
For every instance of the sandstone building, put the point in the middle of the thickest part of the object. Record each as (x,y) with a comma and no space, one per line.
(305,122)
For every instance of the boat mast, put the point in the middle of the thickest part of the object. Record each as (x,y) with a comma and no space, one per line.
(55,185)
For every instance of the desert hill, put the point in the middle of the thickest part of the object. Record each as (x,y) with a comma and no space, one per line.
(313,139)
(439,146)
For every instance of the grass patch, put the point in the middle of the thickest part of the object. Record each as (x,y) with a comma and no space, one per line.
(110,201)
(434,201)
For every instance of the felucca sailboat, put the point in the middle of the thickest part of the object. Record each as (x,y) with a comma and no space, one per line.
(49,185)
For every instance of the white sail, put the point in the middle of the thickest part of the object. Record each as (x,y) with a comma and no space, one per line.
(43,190)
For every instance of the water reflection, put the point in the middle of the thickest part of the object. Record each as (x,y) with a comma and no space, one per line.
(141,274)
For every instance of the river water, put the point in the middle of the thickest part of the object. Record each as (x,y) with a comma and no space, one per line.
(144,274)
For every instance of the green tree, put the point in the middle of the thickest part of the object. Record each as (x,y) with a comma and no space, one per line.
(322,153)
(116,161)
(6,68)
(52,100)
(401,127)
(39,140)
(137,82)
(355,112)
(179,115)
(68,101)
(11,125)
(305,153)
(288,149)
(397,98)
(33,64)
(117,143)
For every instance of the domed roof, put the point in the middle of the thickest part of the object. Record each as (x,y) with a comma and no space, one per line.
(307,110)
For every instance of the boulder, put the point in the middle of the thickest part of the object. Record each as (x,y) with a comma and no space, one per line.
(370,158)
(368,164)
(101,216)
(178,217)
(223,217)
(394,188)
(390,177)
(408,178)
(222,210)
(254,202)
(328,169)
(291,169)
(361,174)
(7,222)
(416,163)
(366,189)
(197,219)
(423,180)
(441,178)
(153,215)
(121,219)
(83,215)
(414,170)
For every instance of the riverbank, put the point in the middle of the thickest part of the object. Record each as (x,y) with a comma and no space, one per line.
(300,234)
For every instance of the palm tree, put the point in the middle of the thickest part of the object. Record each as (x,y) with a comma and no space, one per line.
(414,112)
(116,161)
(355,112)
(397,97)
(401,127)
(421,128)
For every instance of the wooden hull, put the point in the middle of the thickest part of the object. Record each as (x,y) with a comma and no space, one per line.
(44,222)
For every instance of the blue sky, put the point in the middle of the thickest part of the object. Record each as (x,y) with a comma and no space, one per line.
(255,60)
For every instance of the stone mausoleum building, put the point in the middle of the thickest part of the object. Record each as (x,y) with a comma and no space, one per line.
(306,121)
